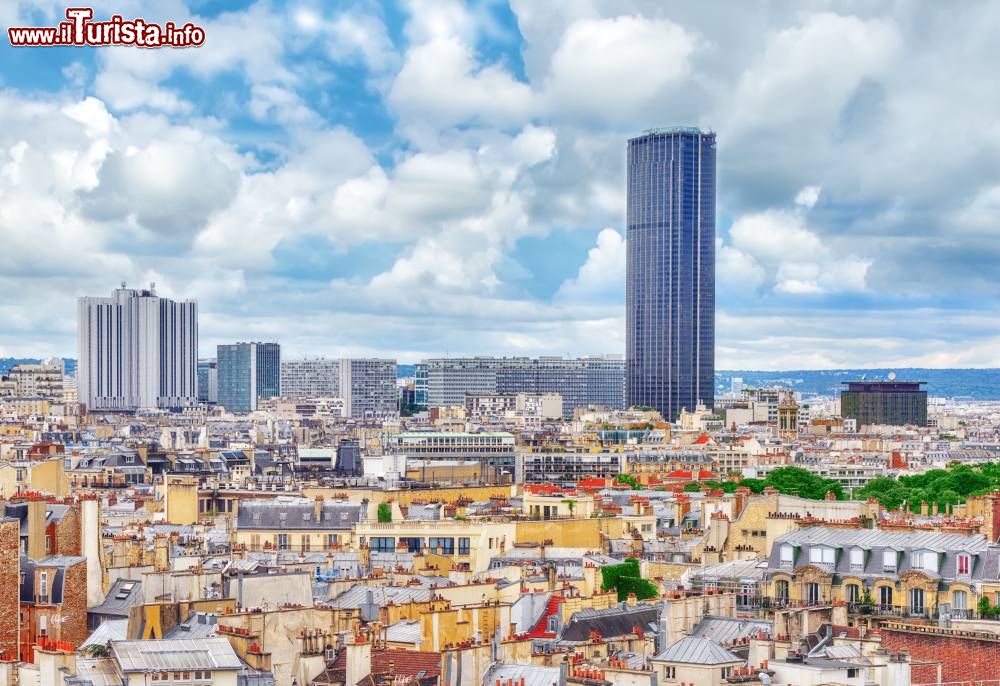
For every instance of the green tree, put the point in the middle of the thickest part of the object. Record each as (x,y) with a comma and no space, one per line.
(384,513)
(801,482)
(626,578)
(692,487)
(628,479)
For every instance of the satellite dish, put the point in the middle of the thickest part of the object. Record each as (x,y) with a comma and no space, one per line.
(892,376)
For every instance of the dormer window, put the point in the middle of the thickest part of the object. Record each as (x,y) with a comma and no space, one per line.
(787,555)
(822,555)
(857,559)
(964,564)
(889,561)
(924,559)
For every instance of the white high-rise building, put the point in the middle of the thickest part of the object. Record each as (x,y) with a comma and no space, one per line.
(137,351)
(368,387)
(316,378)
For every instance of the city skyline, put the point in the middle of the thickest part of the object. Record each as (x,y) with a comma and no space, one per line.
(347,203)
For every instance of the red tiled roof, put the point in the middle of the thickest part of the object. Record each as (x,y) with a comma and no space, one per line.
(404,662)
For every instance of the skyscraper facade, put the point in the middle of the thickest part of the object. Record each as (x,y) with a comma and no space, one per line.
(317,378)
(137,351)
(247,373)
(670,282)
(368,387)
(579,381)
(208,381)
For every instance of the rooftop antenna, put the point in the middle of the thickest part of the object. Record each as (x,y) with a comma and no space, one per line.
(123,284)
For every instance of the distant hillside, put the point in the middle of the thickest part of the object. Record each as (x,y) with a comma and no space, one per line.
(977,384)
(7,362)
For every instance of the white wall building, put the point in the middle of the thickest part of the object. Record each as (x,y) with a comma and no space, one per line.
(368,387)
(137,351)
(318,378)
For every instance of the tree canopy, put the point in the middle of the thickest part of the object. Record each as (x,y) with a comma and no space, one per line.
(626,578)
(786,480)
(942,486)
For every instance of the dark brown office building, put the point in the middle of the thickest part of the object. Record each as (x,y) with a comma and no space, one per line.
(894,403)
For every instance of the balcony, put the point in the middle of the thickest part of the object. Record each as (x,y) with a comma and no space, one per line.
(880,610)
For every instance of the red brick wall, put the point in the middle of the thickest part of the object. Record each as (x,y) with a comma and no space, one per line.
(67,536)
(962,658)
(10,585)
(74,607)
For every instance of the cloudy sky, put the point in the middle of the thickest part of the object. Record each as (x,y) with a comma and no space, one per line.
(426,177)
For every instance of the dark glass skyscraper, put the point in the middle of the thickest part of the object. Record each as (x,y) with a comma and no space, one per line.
(247,373)
(670,282)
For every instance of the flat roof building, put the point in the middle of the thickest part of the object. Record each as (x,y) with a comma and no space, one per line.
(892,403)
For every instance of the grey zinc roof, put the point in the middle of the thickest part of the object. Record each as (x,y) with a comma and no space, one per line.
(404,632)
(873,538)
(111,630)
(98,671)
(754,568)
(725,630)
(355,596)
(875,542)
(199,625)
(533,676)
(612,622)
(175,655)
(694,650)
(296,514)
(124,593)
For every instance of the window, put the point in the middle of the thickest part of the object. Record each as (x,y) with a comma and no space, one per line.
(857,559)
(331,540)
(670,672)
(925,560)
(821,555)
(282,541)
(306,543)
(787,555)
(885,596)
(43,587)
(781,590)
(959,600)
(853,593)
(383,544)
(964,564)
(812,593)
(463,546)
(443,545)
(889,561)
(916,601)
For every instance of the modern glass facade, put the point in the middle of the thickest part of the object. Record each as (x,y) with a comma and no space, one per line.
(670,282)
(892,403)
(268,370)
(208,381)
(248,372)
(236,377)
